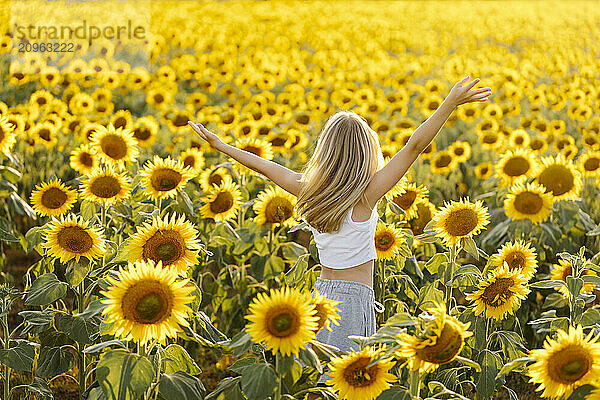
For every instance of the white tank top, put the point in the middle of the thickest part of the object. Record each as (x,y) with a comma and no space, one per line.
(352,245)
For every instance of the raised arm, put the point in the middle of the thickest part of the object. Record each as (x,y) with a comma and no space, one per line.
(287,179)
(387,177)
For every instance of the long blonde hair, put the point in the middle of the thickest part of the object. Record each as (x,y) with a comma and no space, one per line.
(346,157)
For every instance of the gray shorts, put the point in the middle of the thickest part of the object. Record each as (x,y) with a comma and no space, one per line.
(357,312)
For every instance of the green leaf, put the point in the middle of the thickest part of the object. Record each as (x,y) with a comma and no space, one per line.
(396,209)
(8,237)
(79,328)
(469,363)
(77,271)
(20,206)
(54,361)
(34,236)
(395,393)
(241,364)
(36,321)
(486,384)
(547,284)
(39,387)
(429,296)
(19,355)
(590,317)
(175,358)
(273,266)
(296,273)
(591,280)
(292,250)
(514,364)
(434,262)
(301,225)
(180,386)
(45,290)
(224,386)
(259,381)
(124,375)
(88,210)
(185,203)
(97,347)
(470,247)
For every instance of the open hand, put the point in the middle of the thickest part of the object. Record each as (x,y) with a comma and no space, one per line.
(212,139)
(461,94)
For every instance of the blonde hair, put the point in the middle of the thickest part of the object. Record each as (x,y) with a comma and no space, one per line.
(346,157)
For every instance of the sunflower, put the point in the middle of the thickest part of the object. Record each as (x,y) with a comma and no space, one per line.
(589,163)
(192,158)
(275,206)
(563,269)
(491,140)
(163,178)
(44,133)
(594,394)
(500,294)
(518,256)
(351,378)
(516,165)
(114,145)
(174,242)
(285,320)
(259,147)
(145,130)
(223,201)
(560,178)
(442,163)
(105,186)
(519,138)
(83,159)
(387,241)
(530,201)
(461,150)
(484,170)
(460,219)
(8,136)
(326,311)
(440,342)
(122,119)
(71,237)
(147,302)
(53,198)
(209,178)
(407,195)
(565,363)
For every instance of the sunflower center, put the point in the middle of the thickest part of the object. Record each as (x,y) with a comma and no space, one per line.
(357,375)
(105,187)
(516,166)
(322,314)
(515,261)
(215,179)
(570,364)
(278,210)
(147,302)
(490,138)
(165,245)
(180,120)
(142,133)
(86,159)
(446,347)
(384,241)
(44,133)
(283,322)
(165,179)
(189,161)
(120,122)
(591,164)
(75,239)
(303,119)
(2,134)
(222,203)
(53,198)
(443,161)
(557,179)
(461,222)
(498,292)
(459,151)
(114,146)
(528,203)
(253,149)
(405,200)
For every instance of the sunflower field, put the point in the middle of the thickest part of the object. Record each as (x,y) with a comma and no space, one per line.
(137,262)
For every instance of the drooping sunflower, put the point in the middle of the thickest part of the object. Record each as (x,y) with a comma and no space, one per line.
(44,133)
(440,341)
(516,165)
(425,212)
(563,269)
(257,146)
(83,159)
(518,256)
(173,241)
(8,136)
(115,146)
(275,206)
(530,201)
(565,363)
(53,198)
(460,219)
(210,177)
(442,163)
(500,294)
(326,311)
(147,302)
(589,163)
(223,201)
(407,195)
(351,378)
(560,178)
(387,241)
(192,158)
(70,237)
(105,186)
(285,320)
(163,178)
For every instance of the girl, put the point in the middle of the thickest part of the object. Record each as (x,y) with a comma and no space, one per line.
(338,193)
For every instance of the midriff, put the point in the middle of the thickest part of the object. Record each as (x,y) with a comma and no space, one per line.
(361,273)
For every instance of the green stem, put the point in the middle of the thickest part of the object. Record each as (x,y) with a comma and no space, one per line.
(449,286)
(6,367)
(80,354)
(415,382)
(277,366)
(270,238)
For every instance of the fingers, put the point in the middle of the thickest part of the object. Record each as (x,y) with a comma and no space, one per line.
(197,129)
(470,85)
